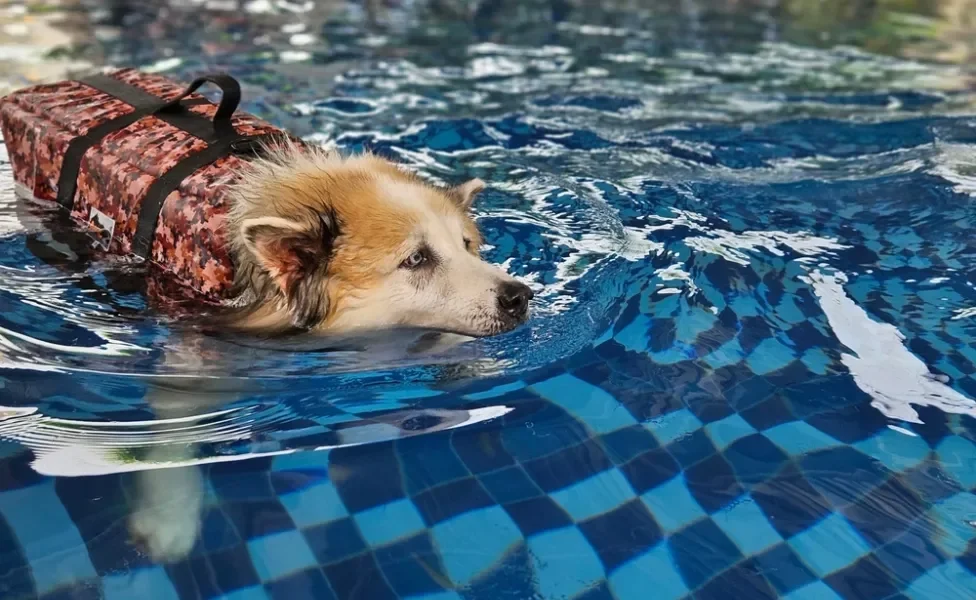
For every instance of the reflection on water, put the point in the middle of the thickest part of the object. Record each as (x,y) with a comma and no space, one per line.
(748,212)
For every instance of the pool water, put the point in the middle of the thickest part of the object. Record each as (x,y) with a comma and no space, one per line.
(750,371)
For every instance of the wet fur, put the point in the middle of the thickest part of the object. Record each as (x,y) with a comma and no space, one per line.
(317,240)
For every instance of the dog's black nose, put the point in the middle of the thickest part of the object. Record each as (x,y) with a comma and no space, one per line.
(513,299)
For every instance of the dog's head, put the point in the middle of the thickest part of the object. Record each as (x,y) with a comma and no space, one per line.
(331,244)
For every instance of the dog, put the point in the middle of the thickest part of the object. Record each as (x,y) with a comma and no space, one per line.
(332,247)
(339,245)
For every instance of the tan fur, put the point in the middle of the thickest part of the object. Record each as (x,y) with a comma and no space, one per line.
(380,211)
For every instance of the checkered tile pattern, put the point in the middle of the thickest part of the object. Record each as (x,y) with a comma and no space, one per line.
(578,493)
(709,445)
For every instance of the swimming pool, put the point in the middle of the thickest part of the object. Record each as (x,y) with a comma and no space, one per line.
(750,371)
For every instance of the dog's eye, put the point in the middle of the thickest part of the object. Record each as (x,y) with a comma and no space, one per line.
(467,243)
(415,260)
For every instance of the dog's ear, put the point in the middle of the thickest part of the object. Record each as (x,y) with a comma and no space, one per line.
(295,255)
(466,193)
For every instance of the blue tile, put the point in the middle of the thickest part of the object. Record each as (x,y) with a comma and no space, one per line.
(280,554)
(429,460)
(784,569)
(708,407)
(817,590)
(897,451)
(631,580)
(865,578)
(797,438)
(769,356)
(537,435)
(672,505)
(471,543)
(650,469)
(89,589)
(702,551)
(564,563)
(98,509)
(896,505)
(183,576)
(449,500)
(754,459)
(568,466)
(250,593)
(673,426)
(599,592)
(15,578)
(384,524)
(628,443)
(370,475)
(481,450)
(958,459)
(728,430)
(412,567)
(48,536)
(442,596)
(741,581)
(499,390)
(314,505)
(242,486)
(589,404)
(769,413)
(216,531)
(913,553)
(232,569)
(598,494)
(790,502)
(537,514)
(949,581)
(830,545)
(859,473)
(604,533)
(849,423)
(512,576)
(334,541)
(139,583)
(310,583)
(359,578)
(692,449)
(954,515)
(930,482)
(747,526)
(510,484)
(713,483)
(258,518)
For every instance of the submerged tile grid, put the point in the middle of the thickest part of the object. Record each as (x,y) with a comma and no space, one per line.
(575,494)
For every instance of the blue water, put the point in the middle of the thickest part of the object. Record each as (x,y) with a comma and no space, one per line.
(749,373)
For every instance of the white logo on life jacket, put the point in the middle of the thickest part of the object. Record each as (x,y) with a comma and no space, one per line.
(102,227)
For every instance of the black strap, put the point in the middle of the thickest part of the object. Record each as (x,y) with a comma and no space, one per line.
(144,104)
(152,202)
(230,98)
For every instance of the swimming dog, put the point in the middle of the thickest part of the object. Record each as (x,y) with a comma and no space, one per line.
(338,245)
(333,246)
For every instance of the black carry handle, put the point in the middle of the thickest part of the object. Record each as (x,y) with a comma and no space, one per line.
(230,98)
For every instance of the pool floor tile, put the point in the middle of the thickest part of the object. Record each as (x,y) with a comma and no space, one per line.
(471,543)
(830,545)
(280,554)
(746,525)
(631,580)
(564,563)
(603,533)
(310,583)
(672,505)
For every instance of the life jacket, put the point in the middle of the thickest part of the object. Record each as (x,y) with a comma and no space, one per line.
(142,162)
